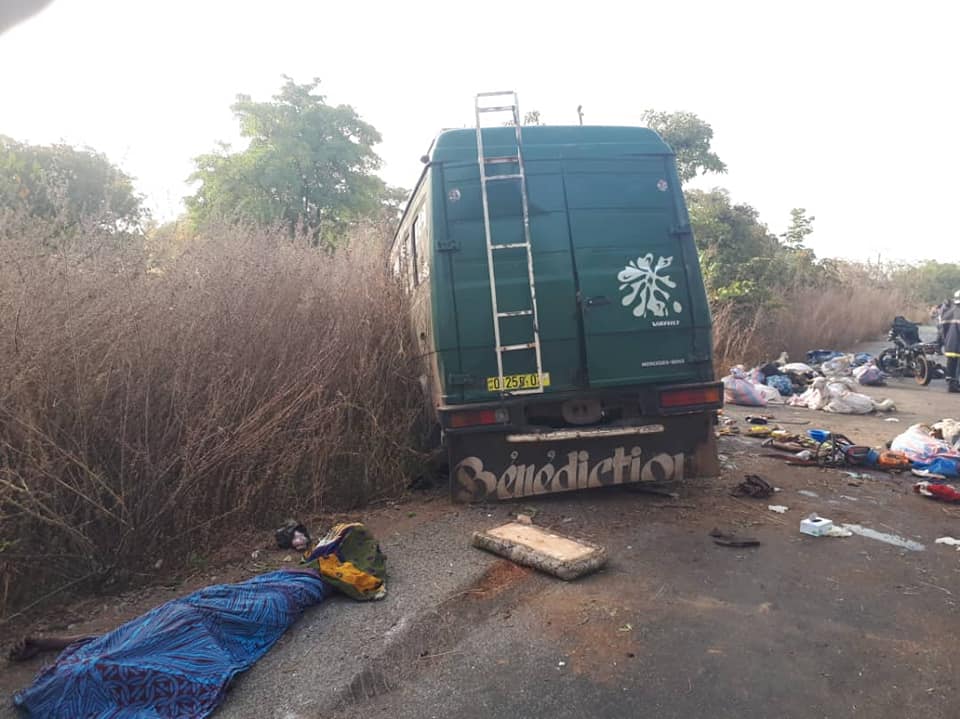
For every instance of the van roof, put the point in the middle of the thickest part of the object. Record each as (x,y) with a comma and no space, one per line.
(544,142)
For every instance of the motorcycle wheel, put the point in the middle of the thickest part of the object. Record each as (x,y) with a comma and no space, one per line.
(924,370)
(888,363)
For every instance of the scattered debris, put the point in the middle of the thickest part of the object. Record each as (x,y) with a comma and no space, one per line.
(753,485)
(778,508)
(729,539)
(659,489)
(626,628)
(838,532)
(524,519)
(808,493)
(894,539)
(531,546)
(949,541)
(927,474)
(942,492)
(292,535)
(816,526)
(891,419)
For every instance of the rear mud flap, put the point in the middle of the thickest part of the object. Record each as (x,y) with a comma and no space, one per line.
(494,465)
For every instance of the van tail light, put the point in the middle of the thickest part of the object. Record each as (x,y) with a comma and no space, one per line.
(703,396)
(478,418)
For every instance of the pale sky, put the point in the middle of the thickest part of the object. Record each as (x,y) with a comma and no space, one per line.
(846,108)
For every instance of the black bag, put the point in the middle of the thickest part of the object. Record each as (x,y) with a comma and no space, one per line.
(284,535)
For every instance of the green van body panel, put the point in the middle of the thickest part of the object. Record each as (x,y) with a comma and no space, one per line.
(620,296)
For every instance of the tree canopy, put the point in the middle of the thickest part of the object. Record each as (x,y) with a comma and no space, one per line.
(741,258)
(64,185)
(690,138)
(308,164)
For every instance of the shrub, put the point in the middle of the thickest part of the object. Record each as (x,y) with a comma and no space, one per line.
(145,413)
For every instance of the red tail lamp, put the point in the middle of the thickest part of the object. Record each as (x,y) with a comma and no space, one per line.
(478,417)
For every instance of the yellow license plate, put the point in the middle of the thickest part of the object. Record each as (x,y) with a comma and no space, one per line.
(513,382)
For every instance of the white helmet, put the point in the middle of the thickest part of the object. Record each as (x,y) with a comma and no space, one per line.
(956,297)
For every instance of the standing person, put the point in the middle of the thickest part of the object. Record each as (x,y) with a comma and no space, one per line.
(948,334)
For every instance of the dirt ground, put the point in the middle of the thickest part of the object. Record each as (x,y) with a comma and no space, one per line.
(674,626)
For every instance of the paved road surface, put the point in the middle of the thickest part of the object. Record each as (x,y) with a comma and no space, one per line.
(675,626)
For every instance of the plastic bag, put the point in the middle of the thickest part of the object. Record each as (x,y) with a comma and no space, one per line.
(919,446)
(770,394)
(737,389)
(868,375)
(950,431)
(843,401)
(839,366)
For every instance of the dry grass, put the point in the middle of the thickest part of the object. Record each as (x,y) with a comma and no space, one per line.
(836,317)
(144,415)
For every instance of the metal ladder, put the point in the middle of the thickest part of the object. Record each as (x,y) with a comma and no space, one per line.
(492,248)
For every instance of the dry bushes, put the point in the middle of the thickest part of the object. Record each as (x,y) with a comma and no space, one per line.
(145,414)
(834,317)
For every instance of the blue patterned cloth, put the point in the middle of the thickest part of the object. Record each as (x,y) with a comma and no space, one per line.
(781,383)
(177,660)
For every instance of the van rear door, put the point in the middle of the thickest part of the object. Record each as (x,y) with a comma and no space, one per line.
(633,266)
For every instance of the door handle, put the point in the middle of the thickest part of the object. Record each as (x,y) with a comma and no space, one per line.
(596,301)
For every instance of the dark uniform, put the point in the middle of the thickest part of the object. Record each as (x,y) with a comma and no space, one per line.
(948,329)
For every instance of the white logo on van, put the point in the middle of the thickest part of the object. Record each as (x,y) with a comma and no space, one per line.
(650,288)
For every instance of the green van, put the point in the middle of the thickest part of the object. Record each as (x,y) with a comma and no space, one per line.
(558,305)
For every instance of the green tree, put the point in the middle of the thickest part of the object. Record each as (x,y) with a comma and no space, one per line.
(930,282)
(690,138)
(742,260)
(801,226)
(65,186)
(308,164)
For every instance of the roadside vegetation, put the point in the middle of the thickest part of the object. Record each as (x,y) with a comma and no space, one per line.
(164,385)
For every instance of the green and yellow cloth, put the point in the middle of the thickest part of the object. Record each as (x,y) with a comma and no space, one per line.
(349,559)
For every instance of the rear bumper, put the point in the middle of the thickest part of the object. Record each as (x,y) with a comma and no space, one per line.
(496,465)
(644,404)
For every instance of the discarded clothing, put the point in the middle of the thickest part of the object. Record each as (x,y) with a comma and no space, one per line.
(176,660)
(917,443)
(781,383)
(943,466)
(350,559)
(942,492)
(821,356)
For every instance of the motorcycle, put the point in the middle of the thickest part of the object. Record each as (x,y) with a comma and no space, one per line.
(909,357)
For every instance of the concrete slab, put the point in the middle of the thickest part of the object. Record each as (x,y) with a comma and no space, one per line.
(541,549)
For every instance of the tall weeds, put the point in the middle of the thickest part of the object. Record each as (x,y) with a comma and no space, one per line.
(145,413)
(833,317)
